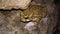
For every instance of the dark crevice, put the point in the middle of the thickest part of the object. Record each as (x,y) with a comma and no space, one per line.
(57,1)
(57,31)
(11,9)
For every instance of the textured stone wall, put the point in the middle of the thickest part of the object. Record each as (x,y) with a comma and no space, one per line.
(10,19)
(9,4)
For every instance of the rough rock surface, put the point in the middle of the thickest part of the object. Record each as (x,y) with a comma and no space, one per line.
(9,4)
(10,23)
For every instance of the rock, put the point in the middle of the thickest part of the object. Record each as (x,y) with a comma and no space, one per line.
(16,4)
(31,27)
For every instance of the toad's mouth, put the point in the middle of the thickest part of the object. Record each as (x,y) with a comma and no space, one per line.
(25,20)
